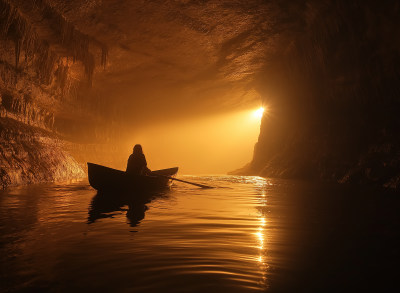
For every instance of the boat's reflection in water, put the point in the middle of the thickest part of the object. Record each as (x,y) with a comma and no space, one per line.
(134,203)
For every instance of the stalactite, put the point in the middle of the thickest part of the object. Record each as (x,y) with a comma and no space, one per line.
(24,110)
(8,75)
(75,41)
(17,52)
(104,55)
(62,75)
(15,26)
(8,15)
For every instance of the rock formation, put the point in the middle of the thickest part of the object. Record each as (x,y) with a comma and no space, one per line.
(45,67)
(77,77)
(334,97)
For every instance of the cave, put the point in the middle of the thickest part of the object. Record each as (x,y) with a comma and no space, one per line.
(85,80)
(77,76)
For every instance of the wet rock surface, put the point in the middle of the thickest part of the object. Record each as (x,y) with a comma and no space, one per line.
(31,155)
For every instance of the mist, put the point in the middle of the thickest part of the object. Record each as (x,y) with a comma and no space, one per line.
(211,145)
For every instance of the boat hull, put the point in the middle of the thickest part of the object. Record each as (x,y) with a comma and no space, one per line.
(104,178)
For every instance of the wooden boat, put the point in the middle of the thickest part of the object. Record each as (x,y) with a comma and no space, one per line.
(103,178)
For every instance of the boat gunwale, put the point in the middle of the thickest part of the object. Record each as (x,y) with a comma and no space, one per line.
(119,180)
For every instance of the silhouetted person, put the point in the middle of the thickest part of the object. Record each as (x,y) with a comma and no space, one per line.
(136,213)
(137,163)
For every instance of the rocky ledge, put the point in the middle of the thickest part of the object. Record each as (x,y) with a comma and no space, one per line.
(30,154)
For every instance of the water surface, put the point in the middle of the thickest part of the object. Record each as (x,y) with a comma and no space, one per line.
(249,235)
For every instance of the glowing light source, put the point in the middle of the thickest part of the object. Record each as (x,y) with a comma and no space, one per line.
(259,113)
(212,138)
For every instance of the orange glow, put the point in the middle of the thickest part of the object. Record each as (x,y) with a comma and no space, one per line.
(211,145)
(260,236)
(259,113)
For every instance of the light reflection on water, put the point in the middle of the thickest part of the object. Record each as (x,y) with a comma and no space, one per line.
(248,235)
(65,237)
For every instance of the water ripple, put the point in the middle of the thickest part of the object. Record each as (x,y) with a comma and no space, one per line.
(187,240)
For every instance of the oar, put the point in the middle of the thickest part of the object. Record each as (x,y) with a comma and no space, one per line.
(180,180)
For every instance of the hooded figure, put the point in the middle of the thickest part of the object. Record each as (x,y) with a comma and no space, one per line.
(137,162)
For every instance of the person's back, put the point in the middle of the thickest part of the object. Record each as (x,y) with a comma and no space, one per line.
(137,163)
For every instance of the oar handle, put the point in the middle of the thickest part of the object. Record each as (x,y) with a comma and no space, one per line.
(180,180)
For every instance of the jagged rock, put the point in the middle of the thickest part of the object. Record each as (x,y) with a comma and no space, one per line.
(31,155)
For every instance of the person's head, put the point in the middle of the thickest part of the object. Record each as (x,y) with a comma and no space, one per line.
(137,149)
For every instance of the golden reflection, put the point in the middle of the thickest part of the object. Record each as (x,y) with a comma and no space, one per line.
(260,236)
(261,257)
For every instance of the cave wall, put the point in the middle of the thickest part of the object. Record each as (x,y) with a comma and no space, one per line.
(30,155)
(46,73)
(332,94)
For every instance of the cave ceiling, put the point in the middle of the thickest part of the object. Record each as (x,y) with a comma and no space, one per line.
(177,58)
